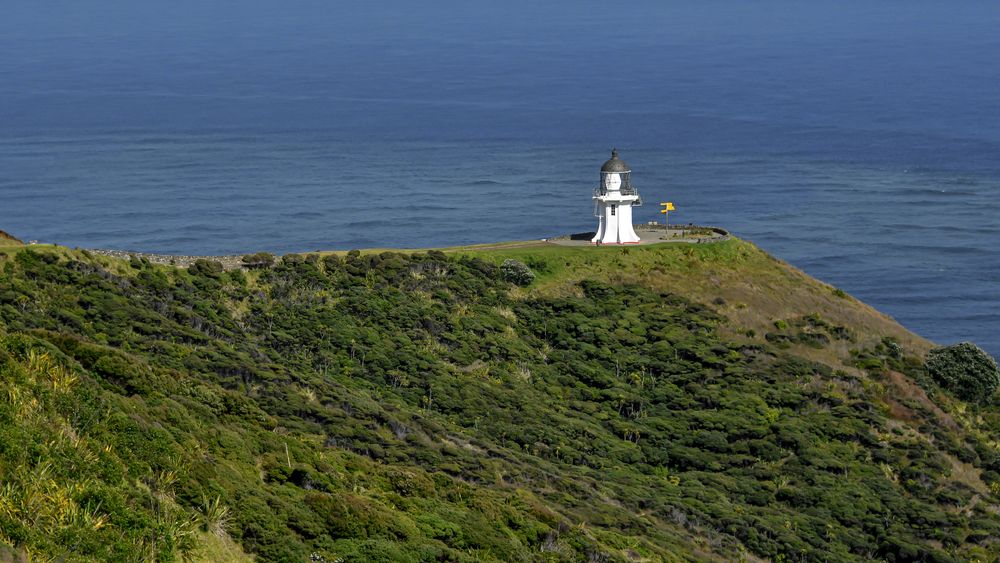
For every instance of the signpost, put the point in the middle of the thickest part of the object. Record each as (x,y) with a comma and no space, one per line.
(668,206)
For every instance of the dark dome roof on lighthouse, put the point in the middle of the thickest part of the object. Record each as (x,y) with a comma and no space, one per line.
(615,164)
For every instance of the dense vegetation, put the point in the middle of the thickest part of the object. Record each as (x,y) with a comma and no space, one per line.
(964,369)
(422,407)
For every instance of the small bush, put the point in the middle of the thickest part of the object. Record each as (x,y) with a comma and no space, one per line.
(965,369)
(258,260)
(207,268)
(516,272)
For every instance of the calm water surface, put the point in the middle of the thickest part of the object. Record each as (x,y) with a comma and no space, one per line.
(859,142)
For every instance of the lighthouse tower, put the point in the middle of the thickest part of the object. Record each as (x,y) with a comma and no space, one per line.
(613,202)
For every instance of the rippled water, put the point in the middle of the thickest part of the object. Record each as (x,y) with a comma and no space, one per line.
(861,143)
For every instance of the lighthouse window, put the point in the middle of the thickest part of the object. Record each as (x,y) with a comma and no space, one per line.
(613,207)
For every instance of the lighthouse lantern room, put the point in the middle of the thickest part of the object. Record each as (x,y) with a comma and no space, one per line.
(613,202)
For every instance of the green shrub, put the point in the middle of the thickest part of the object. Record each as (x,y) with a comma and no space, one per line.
(258,260)
(207,268)
(965,369)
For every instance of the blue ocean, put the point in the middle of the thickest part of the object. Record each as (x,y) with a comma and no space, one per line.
(858,140)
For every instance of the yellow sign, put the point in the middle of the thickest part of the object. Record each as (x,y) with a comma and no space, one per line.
(668,206)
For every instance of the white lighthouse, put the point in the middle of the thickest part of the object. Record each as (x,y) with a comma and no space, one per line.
(613,201)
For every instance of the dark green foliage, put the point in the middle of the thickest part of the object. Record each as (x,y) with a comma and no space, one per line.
(207,268)
(388,406)
(810,330)
(258,260)
(516,272)
(964,369)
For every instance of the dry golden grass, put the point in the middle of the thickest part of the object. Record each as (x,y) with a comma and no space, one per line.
(215,549)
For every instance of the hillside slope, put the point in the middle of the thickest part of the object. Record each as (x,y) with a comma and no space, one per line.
(652,403)
(7,239)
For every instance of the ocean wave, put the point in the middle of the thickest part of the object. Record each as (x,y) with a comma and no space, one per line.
(909,192)
(933,297)
(910,227)
(371,223)
(962,181)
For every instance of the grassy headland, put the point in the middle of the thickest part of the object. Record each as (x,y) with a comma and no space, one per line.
(664,402)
